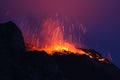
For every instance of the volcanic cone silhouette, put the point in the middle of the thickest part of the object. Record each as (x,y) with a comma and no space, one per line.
(19,64)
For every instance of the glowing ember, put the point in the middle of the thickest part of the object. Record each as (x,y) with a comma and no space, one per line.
(53,33)
(51,39)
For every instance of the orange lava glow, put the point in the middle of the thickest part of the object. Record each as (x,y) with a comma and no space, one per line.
(60,48)
(52,34)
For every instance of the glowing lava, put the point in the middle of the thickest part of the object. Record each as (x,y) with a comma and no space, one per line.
(53,38)
(50,39)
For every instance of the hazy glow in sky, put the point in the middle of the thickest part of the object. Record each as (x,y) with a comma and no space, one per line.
(81,8)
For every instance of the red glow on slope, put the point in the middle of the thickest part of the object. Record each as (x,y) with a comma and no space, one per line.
(51,39)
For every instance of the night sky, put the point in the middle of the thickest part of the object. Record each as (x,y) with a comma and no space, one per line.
(101,18)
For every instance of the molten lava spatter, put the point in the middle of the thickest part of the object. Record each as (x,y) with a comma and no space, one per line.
(52,40)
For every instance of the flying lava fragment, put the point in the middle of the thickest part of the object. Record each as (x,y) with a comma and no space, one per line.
(51,39)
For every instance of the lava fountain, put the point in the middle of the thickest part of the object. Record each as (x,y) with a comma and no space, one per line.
(50,38)
(53,38)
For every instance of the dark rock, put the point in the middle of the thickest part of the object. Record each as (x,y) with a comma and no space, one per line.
(36,66)
(18,64)
(11,38)
(11,43)
(77,67)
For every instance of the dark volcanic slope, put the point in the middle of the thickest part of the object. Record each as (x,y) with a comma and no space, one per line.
(18,64)
(76,67)
(11,44)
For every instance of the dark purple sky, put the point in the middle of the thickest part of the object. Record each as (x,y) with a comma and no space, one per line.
(101,17)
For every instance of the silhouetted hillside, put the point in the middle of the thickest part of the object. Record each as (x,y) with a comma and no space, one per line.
(82,67)
(19,64)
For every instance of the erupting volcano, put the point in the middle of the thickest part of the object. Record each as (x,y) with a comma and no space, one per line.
(53,35)
(49,55)
(51,39)
(59,39)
